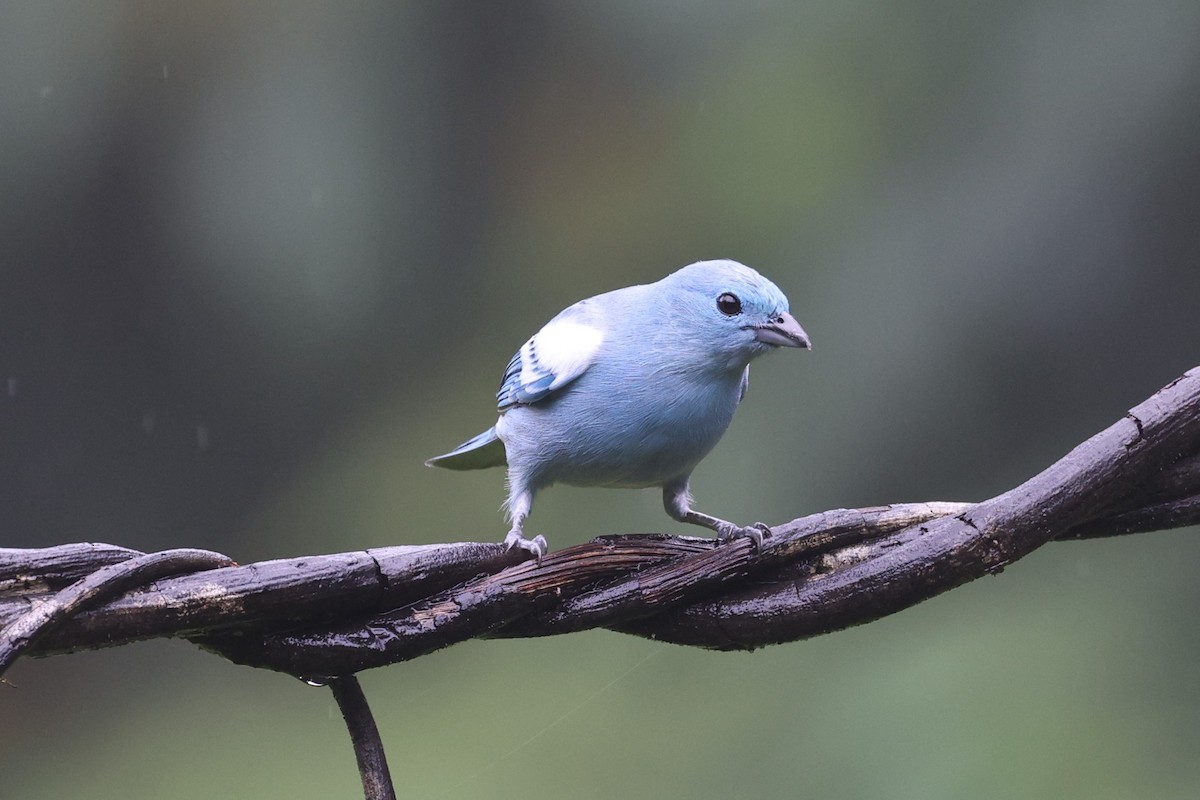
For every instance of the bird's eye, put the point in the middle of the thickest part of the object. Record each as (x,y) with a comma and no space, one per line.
(729,305)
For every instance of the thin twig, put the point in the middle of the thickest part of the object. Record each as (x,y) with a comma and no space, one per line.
(364,735)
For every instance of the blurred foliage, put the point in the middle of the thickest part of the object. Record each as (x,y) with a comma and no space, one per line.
(260,260)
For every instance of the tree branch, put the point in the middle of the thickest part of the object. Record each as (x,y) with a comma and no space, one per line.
(327,617)
(337,614)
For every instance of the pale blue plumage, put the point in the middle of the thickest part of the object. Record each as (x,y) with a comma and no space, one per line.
(632,388)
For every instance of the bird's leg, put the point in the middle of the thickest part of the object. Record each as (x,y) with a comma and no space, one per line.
(677,501)
(520,501)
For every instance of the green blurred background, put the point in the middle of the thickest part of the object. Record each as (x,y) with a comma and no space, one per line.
(258,261)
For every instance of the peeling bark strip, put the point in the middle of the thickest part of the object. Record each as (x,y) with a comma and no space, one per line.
(337,614)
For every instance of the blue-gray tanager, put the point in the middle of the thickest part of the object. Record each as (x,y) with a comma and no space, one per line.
(632,388)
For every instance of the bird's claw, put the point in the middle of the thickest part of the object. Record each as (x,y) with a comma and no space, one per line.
(537,545)
(755,533)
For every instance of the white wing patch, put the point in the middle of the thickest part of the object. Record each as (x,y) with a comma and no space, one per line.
(556,355)
(562,348)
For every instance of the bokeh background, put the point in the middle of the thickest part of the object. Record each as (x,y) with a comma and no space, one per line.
(258,261)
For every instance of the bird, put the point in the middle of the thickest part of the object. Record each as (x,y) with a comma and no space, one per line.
(631,389)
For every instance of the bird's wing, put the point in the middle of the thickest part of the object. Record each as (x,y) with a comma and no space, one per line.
(556,355)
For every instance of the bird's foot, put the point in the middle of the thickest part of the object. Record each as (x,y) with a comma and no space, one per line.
(537,545)
(755,533)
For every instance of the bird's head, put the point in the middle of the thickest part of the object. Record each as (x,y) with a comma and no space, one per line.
(734,310)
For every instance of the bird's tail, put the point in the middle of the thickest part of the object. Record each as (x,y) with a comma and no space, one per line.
(483,451)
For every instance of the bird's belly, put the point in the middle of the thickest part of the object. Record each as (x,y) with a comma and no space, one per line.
(631,462)
(612,444)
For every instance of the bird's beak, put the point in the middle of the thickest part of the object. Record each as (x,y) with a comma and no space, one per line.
(783,331)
